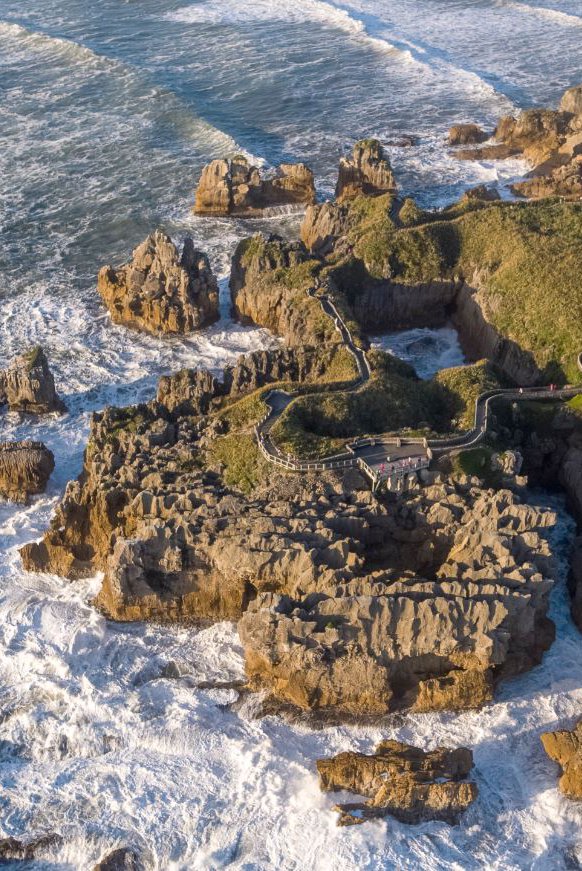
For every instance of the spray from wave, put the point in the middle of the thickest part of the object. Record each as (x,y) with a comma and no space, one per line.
(564,18)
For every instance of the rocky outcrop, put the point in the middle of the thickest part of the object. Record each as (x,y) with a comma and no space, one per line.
(565,748)
(160,291)
(235,187)
(572,101)
(25,468)
(467,134)
(268,284)
(323,225)
(456,598)
(26,849)
(193,391)
(28,385)
(380,306)
(123,859)
(367,172)
(564,181)
(401,781)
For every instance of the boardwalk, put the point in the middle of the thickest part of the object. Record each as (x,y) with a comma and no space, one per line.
(388,460)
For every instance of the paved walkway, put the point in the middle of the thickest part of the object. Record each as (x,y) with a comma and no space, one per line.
(388,459)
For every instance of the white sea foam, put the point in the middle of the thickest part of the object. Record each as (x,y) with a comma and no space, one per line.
(428,350)
(566,19)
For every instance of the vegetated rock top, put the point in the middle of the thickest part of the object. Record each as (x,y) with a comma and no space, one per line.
(401,781)
(160,290)
(28,384)
(235,187)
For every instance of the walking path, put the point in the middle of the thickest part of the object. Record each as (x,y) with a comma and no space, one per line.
(388,459)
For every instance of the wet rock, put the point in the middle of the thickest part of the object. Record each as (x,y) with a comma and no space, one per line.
(20,849)
(123,859)
(159,290)
(235,187)
(565,748)
(367,172)
(25,468)
(467,134)
(28,385)
(401,781)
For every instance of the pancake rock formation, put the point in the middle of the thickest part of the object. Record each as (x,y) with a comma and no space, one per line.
(401,781)
(161,291)
(28,385)
(235,187)
(367,171)
(565,748)
(25,468)
(467,134)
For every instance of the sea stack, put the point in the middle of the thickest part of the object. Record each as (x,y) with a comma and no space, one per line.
(236,188)
(367,171)
(160,291)
(28,385)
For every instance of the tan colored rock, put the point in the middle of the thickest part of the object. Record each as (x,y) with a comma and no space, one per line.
(160,291)
(235,187)
(564,181)
(28,385)
(401,781)
(467,134)
(367,172)
(572,100)
(25,468)
(565,748)
(322,226)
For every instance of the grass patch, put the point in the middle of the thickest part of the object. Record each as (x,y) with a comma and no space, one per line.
(244,465)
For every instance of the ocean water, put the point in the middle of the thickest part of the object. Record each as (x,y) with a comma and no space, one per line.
(108,112)
(427,350)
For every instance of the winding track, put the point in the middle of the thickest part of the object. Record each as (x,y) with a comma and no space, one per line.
(389,459)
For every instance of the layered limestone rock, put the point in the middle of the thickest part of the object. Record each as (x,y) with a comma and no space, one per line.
(565,748)
(235,187)
(322,226)
(194,391)
(367,172)
(572,101)
(564,181)
(467,134)
(401,781)
(160,291)
(269,282)
(347,606)
(28,385)
(25,468)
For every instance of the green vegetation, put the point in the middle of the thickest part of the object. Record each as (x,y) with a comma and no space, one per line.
(527,256)
(33,356)
(244,465)
(575,404)
(476,462)
(129,420)
(462,385)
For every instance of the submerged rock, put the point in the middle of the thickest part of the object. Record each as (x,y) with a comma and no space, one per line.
(28,385)
(235,187)
(160,291)
(367,171)
(25,468)
(565,748)
(22,850)
(401,781)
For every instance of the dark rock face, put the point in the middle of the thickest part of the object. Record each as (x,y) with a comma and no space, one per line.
(160,291)
(124,859)
(25,468)
(20,850)
(322,226)
(234,187)
(404,782)
(28,385)
(467,134)
(367,172)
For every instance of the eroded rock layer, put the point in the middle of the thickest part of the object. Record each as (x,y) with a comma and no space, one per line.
(367,171)
(565,748)
(28,385)
(405,782)
(159,290)
(235,187)
(25,468)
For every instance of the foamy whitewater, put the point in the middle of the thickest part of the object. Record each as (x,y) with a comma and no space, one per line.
(108,112)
